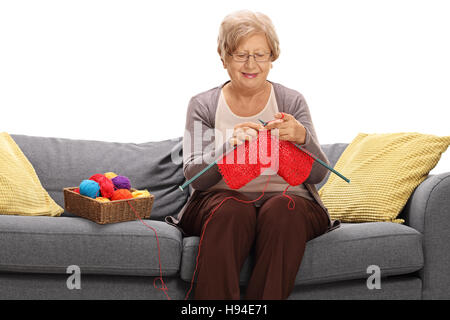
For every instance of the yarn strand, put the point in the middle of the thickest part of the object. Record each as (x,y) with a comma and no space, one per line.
(206,223)
(164,287)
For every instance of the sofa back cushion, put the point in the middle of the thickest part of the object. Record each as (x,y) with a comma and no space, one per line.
(155,166)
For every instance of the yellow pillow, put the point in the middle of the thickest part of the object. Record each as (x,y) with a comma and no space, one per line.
(21,192)
(384,170)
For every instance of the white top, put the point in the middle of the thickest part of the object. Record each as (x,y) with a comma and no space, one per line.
(225,122)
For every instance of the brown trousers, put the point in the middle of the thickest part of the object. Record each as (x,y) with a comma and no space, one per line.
(277,235)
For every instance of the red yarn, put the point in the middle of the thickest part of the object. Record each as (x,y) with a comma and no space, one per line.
(294,166)
(106,185)
(96,177)
(160,278)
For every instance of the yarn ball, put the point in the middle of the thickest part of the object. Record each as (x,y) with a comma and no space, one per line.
(102,199)
(121,182)
(110,175)
(96,177)
(76,190)
(140,193)
(120,194)
(90,188)
(106,185)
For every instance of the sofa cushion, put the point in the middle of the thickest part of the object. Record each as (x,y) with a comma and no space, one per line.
(51,244)
(155,166)
(342,254)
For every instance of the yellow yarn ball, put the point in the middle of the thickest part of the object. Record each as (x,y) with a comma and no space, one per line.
(140,193)
(102,199)
(110,175)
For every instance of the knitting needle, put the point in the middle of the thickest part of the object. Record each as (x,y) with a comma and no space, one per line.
(314,157)
(201,172)
(182,187)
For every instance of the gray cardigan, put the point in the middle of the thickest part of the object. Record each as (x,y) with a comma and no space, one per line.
(199,152)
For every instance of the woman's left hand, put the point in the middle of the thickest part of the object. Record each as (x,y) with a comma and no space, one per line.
(290,129)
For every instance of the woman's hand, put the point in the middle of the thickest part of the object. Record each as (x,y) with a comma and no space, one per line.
(245,131)
(290,129)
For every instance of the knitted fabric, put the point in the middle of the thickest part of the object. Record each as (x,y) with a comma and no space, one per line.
(250,159)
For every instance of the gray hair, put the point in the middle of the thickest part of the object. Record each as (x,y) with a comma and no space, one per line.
(240,24)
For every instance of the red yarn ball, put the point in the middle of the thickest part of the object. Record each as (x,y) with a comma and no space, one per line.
(97,177)
(121,194)
(106,185)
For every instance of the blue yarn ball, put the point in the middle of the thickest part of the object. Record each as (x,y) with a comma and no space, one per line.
(90,188)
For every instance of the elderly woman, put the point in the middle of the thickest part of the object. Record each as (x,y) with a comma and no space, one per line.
(226,116)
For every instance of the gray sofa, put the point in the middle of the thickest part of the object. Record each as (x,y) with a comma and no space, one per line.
(119,261)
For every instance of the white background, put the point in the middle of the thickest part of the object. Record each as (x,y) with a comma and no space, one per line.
(124,71)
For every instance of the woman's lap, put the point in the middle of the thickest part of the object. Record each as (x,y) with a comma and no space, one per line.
(272,210)
(203,207)
(304,215)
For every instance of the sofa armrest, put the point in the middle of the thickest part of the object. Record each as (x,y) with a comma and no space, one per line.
(428,211)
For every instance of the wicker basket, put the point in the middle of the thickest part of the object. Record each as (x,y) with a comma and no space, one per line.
(107,212)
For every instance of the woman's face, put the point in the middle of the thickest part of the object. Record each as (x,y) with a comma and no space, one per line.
(250,75)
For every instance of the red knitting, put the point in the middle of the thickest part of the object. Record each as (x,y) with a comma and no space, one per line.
(244,163)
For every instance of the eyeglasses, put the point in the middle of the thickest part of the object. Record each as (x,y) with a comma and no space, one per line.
(244,56)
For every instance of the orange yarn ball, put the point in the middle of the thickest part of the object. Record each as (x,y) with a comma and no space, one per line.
(121,194)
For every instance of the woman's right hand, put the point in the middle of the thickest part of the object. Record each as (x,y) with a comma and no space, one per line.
(244,131)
